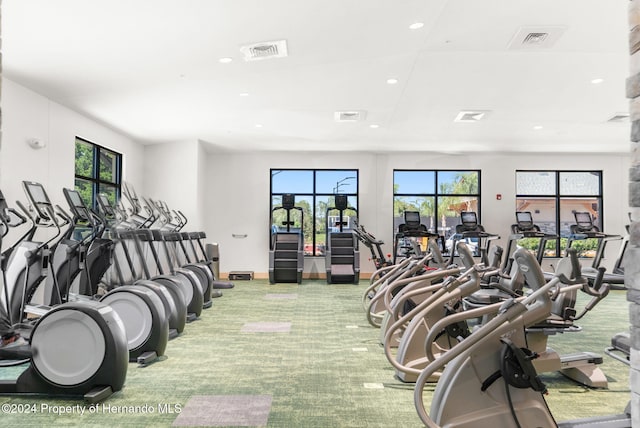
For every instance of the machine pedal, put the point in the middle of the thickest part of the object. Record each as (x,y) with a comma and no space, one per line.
(98,394)
(146,358)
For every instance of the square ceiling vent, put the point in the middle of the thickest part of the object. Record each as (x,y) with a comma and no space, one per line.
(531,38)
(349,116)
(471,116)
(265,50)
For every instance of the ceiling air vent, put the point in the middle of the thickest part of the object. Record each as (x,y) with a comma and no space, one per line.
(527,38)
(265,50)
(535,38)
(470,116)
(349,116)
(619,117)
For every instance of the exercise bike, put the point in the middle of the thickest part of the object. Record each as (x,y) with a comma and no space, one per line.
(489,379)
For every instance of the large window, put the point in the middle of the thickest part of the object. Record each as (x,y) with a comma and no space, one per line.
(553,197)
(98,170)
(314,191)
(439,195)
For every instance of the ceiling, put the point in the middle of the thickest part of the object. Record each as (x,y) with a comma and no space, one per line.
(150,69)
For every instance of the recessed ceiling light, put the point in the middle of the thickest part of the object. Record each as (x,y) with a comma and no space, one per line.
(596,81)
(225,60)
(392,81)
(416,25)
(537,127)
(349,116)
(374,126)
(244,94)
(258,125)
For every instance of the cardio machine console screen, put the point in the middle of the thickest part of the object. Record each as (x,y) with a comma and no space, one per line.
(341,202)
(412,218)
(524,220)
(469,219)
(104,203)
(37,193)
(76,199)
(288,200)
(38,197)
(76,204)
(583,220)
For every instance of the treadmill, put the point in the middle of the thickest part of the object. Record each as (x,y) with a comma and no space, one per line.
(470,228)
(586,229)
(406,239)
(526,228)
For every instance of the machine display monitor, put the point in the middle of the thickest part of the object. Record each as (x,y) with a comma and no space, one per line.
(412,218)
(76,200)
(132,196)
(288,200)
(104,202)
(37,197)
(37,194)
(76,203)
(469,219)
(583,220)
(524,220)
(341,202)
(105,205)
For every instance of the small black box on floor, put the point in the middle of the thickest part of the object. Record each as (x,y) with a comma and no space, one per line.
(240,275)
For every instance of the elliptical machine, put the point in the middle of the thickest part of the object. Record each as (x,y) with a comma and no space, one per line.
(140,308)
(77,349)
(171,296)
(183,279)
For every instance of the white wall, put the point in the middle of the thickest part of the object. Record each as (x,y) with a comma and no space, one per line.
(25,115)
(171,175)
(238,194)
(227,194)
(203,186)
(238,202)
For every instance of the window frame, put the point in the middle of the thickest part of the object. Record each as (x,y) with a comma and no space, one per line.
(313,196)
(437,194)
(95,180)
(558,197)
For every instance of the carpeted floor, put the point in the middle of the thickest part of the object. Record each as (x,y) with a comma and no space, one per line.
(290,355)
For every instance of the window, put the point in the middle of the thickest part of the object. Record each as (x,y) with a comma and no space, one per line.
(98,170)
(439,195)
(553,197)
(314,191)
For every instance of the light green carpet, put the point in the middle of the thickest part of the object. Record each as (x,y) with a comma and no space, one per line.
(325,372)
